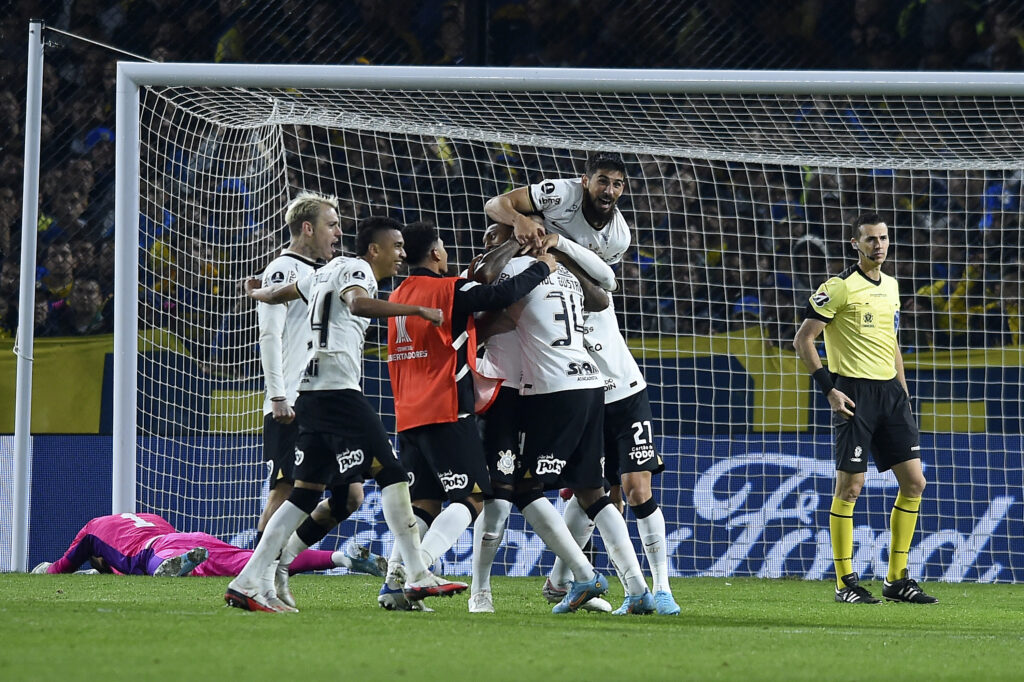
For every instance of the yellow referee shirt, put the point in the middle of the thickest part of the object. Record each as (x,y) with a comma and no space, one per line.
(862,318)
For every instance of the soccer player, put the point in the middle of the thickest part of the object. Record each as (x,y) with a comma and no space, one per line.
(313,224)
(314,228)
(339,433)
(146,544)
(432,370)
(584,210)
(865,385)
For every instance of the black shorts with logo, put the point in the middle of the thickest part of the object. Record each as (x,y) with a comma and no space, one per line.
(882,426)
(629,438)
(446,460)
(500,431)
(341,438)
(279,449)
(563,440)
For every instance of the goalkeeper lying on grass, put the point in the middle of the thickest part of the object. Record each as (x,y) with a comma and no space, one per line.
(146,544)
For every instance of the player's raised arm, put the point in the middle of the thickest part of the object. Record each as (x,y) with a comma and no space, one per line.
(586,260)
(486,267)
(275,293)
(595,298)
(364,305)
(511,209)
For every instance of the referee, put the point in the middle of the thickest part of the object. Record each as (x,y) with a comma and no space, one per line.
(858,310)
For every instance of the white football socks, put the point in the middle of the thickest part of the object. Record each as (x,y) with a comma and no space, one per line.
(549,526)
(652,535)
(282,524)
(488,532)
(397,508)
(581,528)
(444,531)
(620,550)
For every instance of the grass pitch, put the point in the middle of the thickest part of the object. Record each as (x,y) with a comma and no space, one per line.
(140,628)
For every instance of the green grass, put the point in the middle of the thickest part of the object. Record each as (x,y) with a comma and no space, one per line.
(108,627)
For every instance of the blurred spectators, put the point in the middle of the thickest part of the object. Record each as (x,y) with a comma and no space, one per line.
(718,246)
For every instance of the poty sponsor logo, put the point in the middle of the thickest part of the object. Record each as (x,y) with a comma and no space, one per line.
(349,459)
(299,456)
(549,464)
(453,481)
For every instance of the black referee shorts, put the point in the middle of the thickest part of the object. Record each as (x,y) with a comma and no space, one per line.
(882,426)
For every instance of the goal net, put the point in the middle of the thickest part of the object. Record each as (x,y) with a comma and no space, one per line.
(740,191)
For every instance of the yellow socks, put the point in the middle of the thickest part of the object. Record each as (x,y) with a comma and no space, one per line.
(840,525)
(902,523)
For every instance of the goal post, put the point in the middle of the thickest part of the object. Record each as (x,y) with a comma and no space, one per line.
(740,183)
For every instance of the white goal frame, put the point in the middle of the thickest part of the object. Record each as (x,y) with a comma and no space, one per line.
(132,76)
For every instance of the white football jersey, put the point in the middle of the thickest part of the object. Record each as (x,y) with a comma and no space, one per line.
(284,332)
(561,204)
(550,333)
(502,359)
(336,336)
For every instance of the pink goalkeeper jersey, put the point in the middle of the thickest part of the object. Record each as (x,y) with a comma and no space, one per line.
(136,544)
(116,538)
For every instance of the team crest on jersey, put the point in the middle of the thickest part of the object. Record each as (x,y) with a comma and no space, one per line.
(821,298)
(549,464)
(299,456)
(350,459)
(868,320)
(506,462)
(453,481)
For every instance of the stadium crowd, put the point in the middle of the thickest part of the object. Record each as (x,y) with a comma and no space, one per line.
(719,247)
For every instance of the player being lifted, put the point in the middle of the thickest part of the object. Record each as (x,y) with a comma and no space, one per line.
(315,231)
(584,211)
(339,433)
